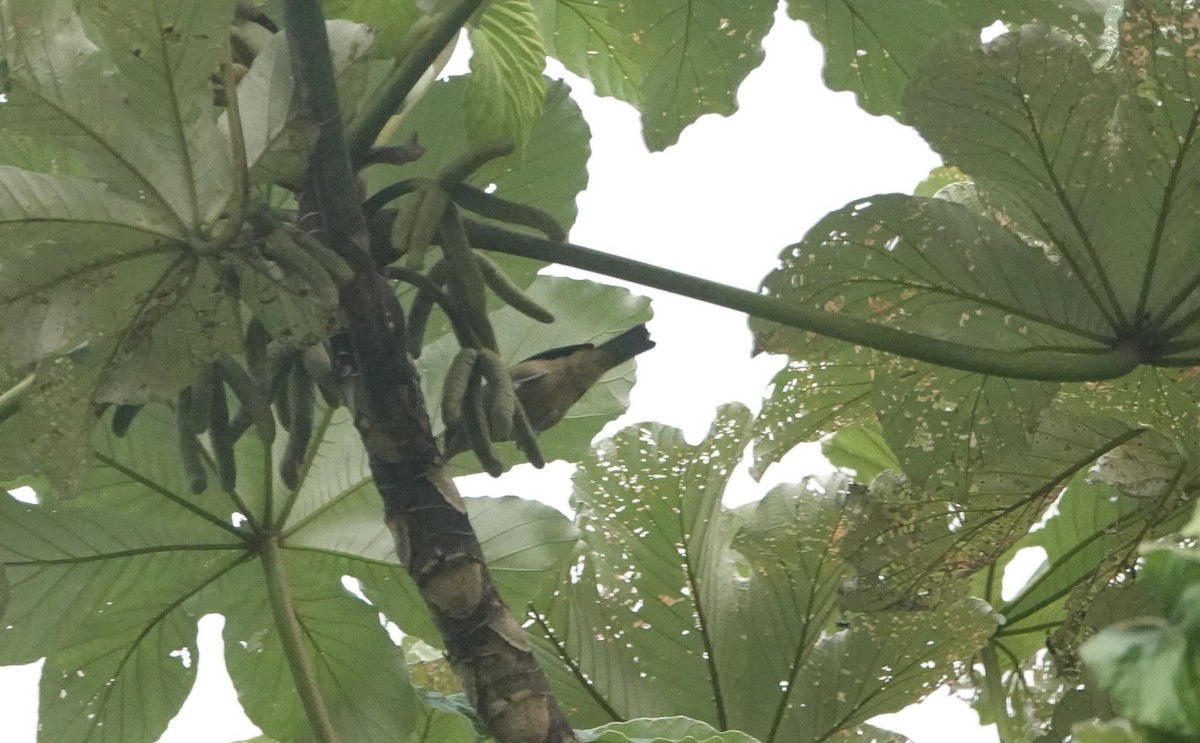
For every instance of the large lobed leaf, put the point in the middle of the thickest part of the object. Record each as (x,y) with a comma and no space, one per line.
(112,286)
(675,60)
(919,546)
(1081,239)
(136,108)
(682,606)
(1075,240)
(506,89)
(108,587)
(874,47)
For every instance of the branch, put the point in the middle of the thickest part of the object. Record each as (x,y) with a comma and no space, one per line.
(441,31)
(331,176)
(1049,366)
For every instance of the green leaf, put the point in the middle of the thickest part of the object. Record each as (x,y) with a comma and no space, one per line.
(861,449)
(662,730)
(915,546)
(100,589)
(1148,666)
(109,304)
(550,176)
(885,661)
(278,135)
(389,21)
(1091,539)
(361,673)
(809,399)
(108,588)
(693,57)
(583,35)
(675,61)
(1118,217)
(506,90)
(1147,670)
(30,153)
(938,180)
(681,579)
(76,255)
(944,424)
(873,47)
(934,268)
(1111,731)
(1164,400)
(137,108)
(656,560)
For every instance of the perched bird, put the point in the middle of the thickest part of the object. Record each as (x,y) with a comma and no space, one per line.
(549,383)
(552,381)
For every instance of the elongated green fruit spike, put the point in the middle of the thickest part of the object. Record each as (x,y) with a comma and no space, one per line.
(190,453)
(240,423)
(526,438)
(474,421)
(466,278)
(422,306)
(391,192)
(301,402)
(280,357)
(202,392)
(254,344)
(509,292)
(424,285)
(494,207)
(418,319)
(219,435)
(418,223)
(320,370)
(467,163)
(500,397)
(333,264)
(253,399)
(122,417)
(454,389)
(291,258)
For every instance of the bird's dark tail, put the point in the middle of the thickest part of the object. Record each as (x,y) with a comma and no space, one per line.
(626,345)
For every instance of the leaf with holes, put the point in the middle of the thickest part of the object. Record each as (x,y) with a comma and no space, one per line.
(874,47)
(919,547)
(680,579)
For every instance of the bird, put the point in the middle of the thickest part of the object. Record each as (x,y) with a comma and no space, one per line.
(549,383)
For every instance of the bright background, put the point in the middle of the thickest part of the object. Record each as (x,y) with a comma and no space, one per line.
(721,204)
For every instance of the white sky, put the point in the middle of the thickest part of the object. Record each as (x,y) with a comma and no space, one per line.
(721,204)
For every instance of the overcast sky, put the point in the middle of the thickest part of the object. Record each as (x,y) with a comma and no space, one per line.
(721,204)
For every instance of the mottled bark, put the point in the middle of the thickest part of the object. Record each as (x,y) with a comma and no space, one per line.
(486,646)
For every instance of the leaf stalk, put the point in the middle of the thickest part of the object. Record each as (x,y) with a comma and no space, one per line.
(1044,365)
(291,636)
